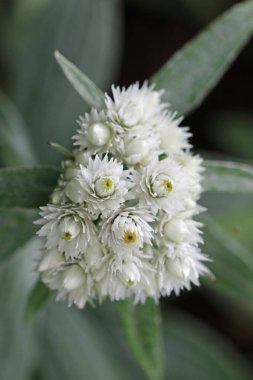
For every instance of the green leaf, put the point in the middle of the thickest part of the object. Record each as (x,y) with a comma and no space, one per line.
(194,70)
(18,349)
(15,145)
(37,298)
(88,343)
(232,265)
(88,91)
(141,325)
(226,176)
(83,30)
(28,187)
(16,227)
(195,351)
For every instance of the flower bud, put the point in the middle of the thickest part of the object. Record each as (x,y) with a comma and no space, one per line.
(131,114)
(56,197)
(73,277)
(99,134)
(71,173)
(179,268)
(161,186)
(50,260)
(69,228)
(74,192)
(176,230)
(136,151)
(104,187)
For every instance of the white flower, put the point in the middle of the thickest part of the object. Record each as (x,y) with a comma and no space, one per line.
(162,185)
(120,277)
(177,229)
(173,139)
(103,185)
(178,270)
(70,279)
(127,230)
(194,169)
(94,133)
(133,106)
(133,149)
(121,223)
(68,228)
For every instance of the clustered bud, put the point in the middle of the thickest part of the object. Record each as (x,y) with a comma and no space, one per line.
(120,222)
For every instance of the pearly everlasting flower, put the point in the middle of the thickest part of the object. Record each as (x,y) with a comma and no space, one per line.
(70,278)
(122,276)
(67,228)
(162,185)
(127,230)
(173,139)
(103,185)
(120,223)
(178,228)
(178,268)
(94,132)
(133,107)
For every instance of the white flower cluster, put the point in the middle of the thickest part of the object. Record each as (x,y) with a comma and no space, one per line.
(120,222)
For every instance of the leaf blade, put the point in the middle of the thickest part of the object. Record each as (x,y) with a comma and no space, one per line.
(37,298)
(193,71)
(141,328)
(16,147)
(88,91)
(232,264)
(16,223)
(28,187)
(227,176)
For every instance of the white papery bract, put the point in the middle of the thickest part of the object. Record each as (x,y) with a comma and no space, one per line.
(68,228)
(104,185)
(162,185)
(127,230)
(120,223)
(173,139)
(94,132)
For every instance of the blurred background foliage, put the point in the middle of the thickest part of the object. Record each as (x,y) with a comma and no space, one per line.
(208,333)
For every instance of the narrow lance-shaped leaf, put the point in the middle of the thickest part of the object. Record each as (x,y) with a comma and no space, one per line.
(16,226)
(28,187)
(194,70)
(141,325)
(37,298)
(195,351)
(226,176)
(16,146)
(232,264)
(90,93)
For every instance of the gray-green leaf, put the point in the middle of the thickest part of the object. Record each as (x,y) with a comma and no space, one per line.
(226,176)
(88,91)
(15,144)
(16,227)
(195,351)
(194,70)
(232,264)
(28,187)
(141,325)
(37,298)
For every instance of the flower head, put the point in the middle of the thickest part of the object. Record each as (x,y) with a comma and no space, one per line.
(121,220)
(127,230)
(67,228)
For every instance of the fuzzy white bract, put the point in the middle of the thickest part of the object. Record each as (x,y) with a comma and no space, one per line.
(120,223)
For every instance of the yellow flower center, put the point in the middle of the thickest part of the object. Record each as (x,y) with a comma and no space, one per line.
(167,185)
(130,237)
(104,187)
(66,236)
